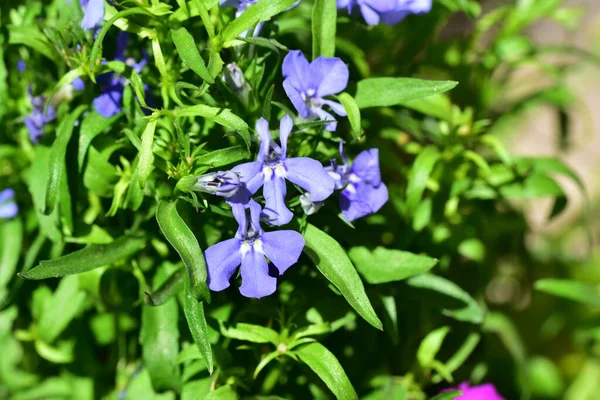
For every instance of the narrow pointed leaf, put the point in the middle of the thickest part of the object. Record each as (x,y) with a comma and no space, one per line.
(185,243)
(332,261)
(259,12)
(188,51)
(86,259)
(387,265)
(324,16)
(328,368)
(385,92)
(57,164)
(196,320)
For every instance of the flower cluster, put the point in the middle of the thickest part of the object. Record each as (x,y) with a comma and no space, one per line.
(363,192)
(389,12)
(38,118)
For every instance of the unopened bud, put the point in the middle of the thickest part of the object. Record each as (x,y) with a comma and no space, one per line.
(234,78)
(224,184)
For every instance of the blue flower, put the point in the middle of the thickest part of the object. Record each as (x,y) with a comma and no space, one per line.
(272,167)
(389,12)
(249,248)
(93,13)
(112,85)
(363,191)
(36,121)
(8,208)
(306,84)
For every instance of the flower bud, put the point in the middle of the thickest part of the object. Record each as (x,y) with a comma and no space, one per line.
(234,78)
(224,184)
(309,206)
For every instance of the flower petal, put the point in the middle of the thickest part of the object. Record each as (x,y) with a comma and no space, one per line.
(336,107)
(250,175)
(329,75)
(393,17)
(366,166)
(255,210)
(275,210)
(285,128)
(358,200)
(371,16)
(109,103)
(8,210)
(325,116)
(222,260)
(283,248)
(93,14)
(311,176)
(295,97)
(256,282)
(6,195)
(262,129)
(296,66)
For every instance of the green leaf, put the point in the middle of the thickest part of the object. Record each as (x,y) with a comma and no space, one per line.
(437,105)
(170,287)
(196,389)
(194,314)
(68,299)
(472,248)
(431,345)
(328,368)
(258,12)
(86,259)
(223,393)
(30,35)
(188,51)
(419,173)
(324,16)
(332,261)
(11,241)
(387,265)
(92,125)
(146,161)
(385,92)
(159,336)
(535,185)
(471,313)
(222,157)
(251,333)
(57,163)
(569,289)
(353,113)
(185,243)
(221,116)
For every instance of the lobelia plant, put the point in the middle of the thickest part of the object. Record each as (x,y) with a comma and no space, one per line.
(378,237)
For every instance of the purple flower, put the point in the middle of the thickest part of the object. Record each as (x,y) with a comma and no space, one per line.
(21,66)
(306,84)
(36,121)
(112,85)
(93,13)
(272,168)
(78,84)
(389,12)
(486,391)
(249,248)
(8,208)
(364,193)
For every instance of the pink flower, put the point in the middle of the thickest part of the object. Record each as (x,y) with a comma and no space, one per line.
(487,391)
